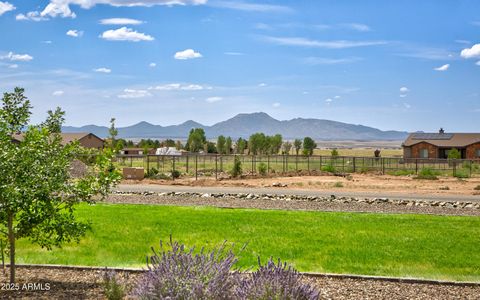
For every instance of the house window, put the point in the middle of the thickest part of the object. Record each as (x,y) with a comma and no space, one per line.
(423,153)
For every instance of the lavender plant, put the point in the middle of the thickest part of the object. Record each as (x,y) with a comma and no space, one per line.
(112,288)
(181,274)
(275,281)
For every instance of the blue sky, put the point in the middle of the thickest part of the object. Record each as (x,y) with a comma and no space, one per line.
(402,65)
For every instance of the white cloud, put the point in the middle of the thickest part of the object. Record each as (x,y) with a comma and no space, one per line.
(47,42)
(31,16)
(74,33)
(13,66)
(337,97)
(125,34)
(120,21)
(132,94)
(213,99)
(329,100)
(253,7)
(187,54)
(263,84)
(276,104)
(5,7)
(471,52)
(403,95)
(404,89)
(478,63)
(17,57)
(357,27)
(304,42)
(179,87)
(442,68)
(58,93)
(152,65)
(61,8)
(407,106)
(102,70)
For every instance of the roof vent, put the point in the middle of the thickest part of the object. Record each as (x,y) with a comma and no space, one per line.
(441,131)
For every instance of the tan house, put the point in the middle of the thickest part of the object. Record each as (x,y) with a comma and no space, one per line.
(87,140)
(437,145)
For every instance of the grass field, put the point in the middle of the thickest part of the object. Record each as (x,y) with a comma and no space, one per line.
(424,246)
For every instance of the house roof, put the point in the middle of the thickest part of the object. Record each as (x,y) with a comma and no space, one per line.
(443,139)
(66,137)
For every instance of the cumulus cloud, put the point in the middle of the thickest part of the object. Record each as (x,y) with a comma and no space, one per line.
(125,34)
(102,70)
(152,65)
(187,54)
(74,33)
(263,84)
(179,87)
(404,90)
(304,42)
(6,7)
(132,94)
(442,68)
(329,100)
(276,104)
(31,16)
(472,52)
(120,21)
(213,99)
(58,93)
(17,57)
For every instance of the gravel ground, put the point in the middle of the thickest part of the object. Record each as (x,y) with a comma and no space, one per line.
(87,284)
(294,203)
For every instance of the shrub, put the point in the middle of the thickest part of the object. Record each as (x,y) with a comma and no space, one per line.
(454,154)
(334,153)
(175,174)
(180,274)
(427,173)
(338,184)
(275,281)
(237,167)
(462,173)
(328,168)
(113,289)
(152,173)
(262,169)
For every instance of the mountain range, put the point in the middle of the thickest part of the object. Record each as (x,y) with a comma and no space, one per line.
(243,125)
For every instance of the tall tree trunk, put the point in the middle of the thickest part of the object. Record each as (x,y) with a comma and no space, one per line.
(11,240)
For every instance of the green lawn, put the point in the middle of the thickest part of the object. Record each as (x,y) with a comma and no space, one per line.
(425,246)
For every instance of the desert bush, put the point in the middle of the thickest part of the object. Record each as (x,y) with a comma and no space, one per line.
(275,281)
(427,173)
(328,168)
(237,167)
(262,169)
(151,173)
(112,288)
(181,274)
(444,188)
(175,174)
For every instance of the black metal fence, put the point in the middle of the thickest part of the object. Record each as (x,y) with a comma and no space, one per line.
(208,165)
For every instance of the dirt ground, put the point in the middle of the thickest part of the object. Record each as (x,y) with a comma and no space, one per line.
(350,183)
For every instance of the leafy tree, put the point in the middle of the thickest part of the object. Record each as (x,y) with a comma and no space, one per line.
(113,132)
(241,146)
(287,147)
(221,144)
(237,167)
(257,143)
(334,153)
(168,143)
(178,145)
(38,195)
(298,145)
(275,144)
(210,147)
(228,145)
(308,146)
(454,154)
(196,140)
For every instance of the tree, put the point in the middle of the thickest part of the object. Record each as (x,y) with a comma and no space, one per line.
(178,145)
(308,146)
(334,153)
(113,133)
(196,140)
(454,154)
(240,146)
(298,145)
(38,195)
(221,144)
(275,144)
(257,143)
(210,147)
(287,147)
(228,145)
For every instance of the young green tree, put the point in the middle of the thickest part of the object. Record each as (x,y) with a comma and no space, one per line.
(257,143)
(334,153)
(196,140)
(113,132)
(228,145)
(275,144)
(240,146)
(38,195)
(308,146)
(287,147)
(454,154)
(221,144)
(297,143)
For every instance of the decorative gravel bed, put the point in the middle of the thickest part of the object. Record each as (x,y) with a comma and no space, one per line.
(299,202)
(87,284)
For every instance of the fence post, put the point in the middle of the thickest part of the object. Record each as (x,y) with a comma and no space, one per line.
(296,163)
(196,166)
(253,158)
(173,168)
(471,163)
(268,164)
(158,162)
(131,161)
(454,168)
(186,170)
(416,165)
(148,163)
(354,165)
(308,164)
(320,163)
